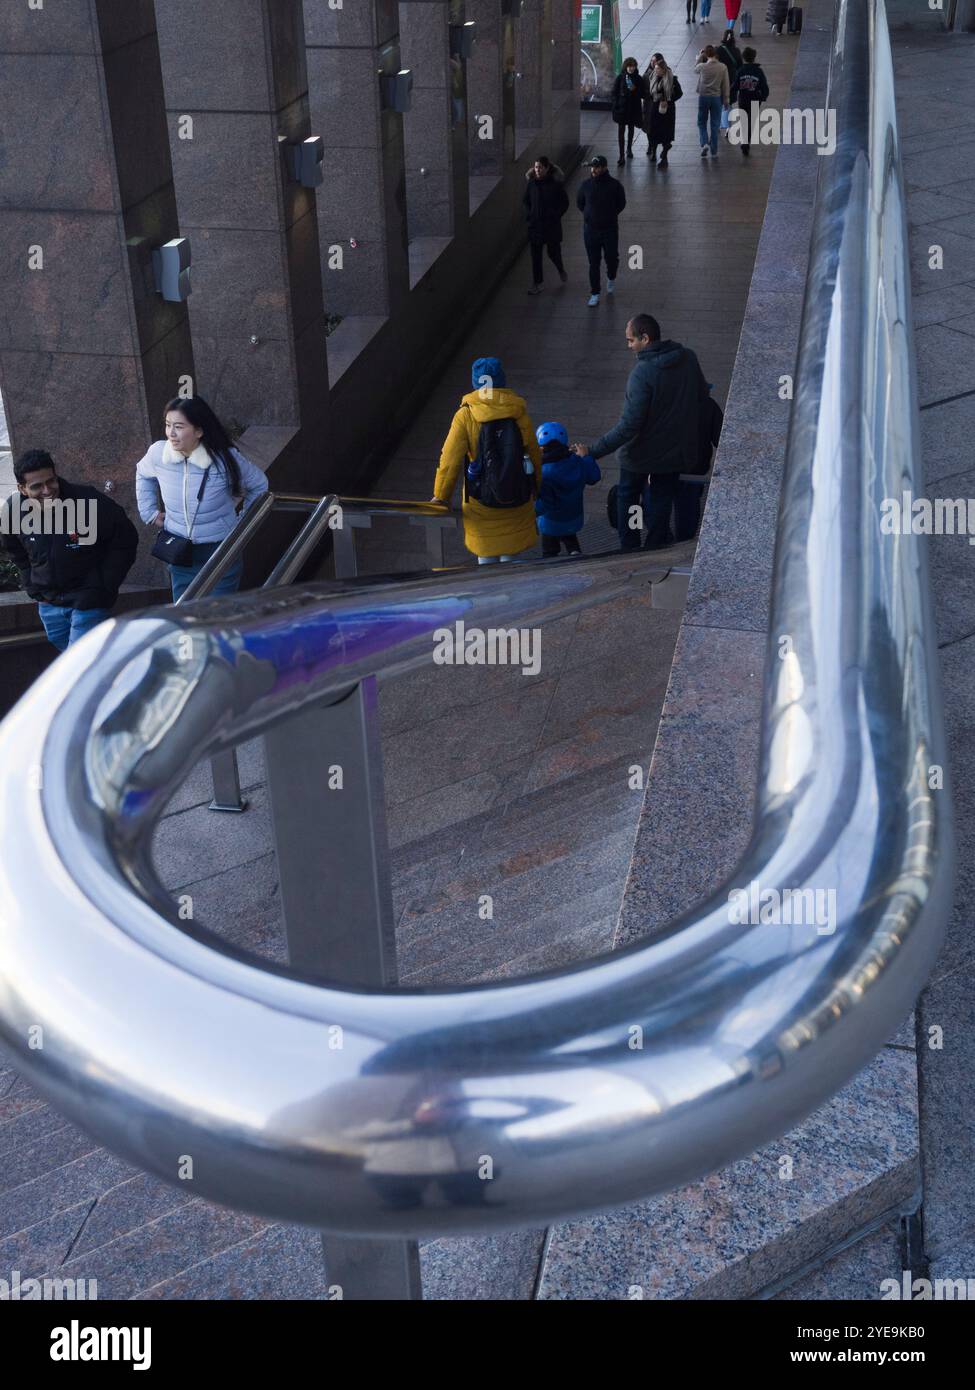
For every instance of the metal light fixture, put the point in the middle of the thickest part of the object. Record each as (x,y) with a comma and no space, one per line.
(462,38)
(171,269)
(306,160)
(397,89)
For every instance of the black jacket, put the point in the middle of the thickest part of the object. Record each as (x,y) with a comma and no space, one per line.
(55,569)
(658,429)
(600,201)
(628,102)
(731,60)
(545,200)
(750,84)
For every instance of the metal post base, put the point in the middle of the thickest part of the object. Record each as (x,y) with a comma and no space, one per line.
(226,783)
(373,1270)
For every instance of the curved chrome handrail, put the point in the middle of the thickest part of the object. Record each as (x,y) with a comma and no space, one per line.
(363,1111)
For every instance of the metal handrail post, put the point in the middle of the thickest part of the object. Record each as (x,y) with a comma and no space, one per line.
(328,813)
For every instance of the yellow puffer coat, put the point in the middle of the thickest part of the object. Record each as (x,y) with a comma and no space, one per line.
(489,530)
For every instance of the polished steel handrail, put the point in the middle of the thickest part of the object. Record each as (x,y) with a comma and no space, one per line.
(371,1111)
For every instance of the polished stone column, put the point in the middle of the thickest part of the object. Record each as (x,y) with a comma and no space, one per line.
(533,59)
(89,352)
(490,91)
(236,97)
(565,46)
(428,126)
(362,209)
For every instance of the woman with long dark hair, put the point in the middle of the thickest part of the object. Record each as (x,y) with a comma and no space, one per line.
(629,92)
(188,485)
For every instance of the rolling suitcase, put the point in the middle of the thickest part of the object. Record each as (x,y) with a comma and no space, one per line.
(746,24)
(794,22)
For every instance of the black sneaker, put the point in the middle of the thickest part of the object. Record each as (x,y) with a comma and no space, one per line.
(620,162)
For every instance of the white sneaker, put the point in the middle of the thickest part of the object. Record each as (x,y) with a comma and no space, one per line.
(593,300)
(610,286)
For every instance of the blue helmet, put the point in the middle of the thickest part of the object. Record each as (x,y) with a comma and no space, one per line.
(552,433)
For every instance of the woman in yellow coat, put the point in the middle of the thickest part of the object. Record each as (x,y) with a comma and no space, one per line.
(490,533)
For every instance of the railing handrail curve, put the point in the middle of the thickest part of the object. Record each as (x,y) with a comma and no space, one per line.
(372,1112)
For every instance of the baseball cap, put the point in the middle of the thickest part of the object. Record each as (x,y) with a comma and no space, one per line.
(598,159)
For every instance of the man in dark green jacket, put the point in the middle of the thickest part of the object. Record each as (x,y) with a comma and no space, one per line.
(656,437)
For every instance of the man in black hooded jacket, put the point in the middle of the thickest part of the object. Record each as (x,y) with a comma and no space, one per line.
(656,436)
(72,545)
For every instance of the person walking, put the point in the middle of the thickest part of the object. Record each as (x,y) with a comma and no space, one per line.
(656,436)
(713,96)
(601,199)
(491,441)
(777,14)
(661,108)
(560,507)
(732,9)
(629,91)
(72,546)
(188,485)
(691,11)
(749,89)
(545,202)
(705,12)
(728,53)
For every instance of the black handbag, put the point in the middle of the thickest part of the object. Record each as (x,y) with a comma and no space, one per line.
(178,550)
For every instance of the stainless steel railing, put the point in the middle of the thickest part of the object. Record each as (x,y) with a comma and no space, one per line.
(367,1110)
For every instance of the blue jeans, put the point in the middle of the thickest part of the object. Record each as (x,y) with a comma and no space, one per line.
(183,575)
(709,106)
(654,494)
(705,9)
(66,625)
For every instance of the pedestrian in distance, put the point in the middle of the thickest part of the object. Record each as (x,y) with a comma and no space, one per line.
(728,53)
(749,89)
(713,97)
(629,92)
(660,111)
(545,202)
(601,199)
(705,12)
(732,9)
(72,546)
(691,11)
(560,507)
(777,14)
(492,445)
(189,485)
(656,437)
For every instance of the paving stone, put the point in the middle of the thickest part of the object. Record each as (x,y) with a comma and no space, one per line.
(283,1262)
(855,1274)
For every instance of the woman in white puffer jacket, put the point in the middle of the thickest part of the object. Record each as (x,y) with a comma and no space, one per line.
(168,481)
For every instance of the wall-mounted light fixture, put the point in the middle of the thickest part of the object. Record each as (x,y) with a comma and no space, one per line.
(171,269)
(397,89)
(305,159)
(462,38)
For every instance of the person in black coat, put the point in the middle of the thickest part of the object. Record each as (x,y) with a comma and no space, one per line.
(629,93)
(749,89)
(545,202)
(72,546)
(776,15)
(601,199)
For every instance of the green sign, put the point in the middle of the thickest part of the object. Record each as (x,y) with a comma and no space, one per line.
(592,23)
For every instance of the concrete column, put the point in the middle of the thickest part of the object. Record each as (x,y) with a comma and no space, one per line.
(236,96)
(364,200)
(427,129)
(89,352)
(490,91)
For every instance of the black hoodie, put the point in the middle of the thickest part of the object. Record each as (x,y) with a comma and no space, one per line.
(57,569)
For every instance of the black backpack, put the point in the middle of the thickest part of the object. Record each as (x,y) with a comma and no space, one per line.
(678,91)
(496,476)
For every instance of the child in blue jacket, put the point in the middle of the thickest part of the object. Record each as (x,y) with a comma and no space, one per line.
(559,506)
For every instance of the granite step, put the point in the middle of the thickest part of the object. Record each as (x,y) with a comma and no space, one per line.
(748,1227)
